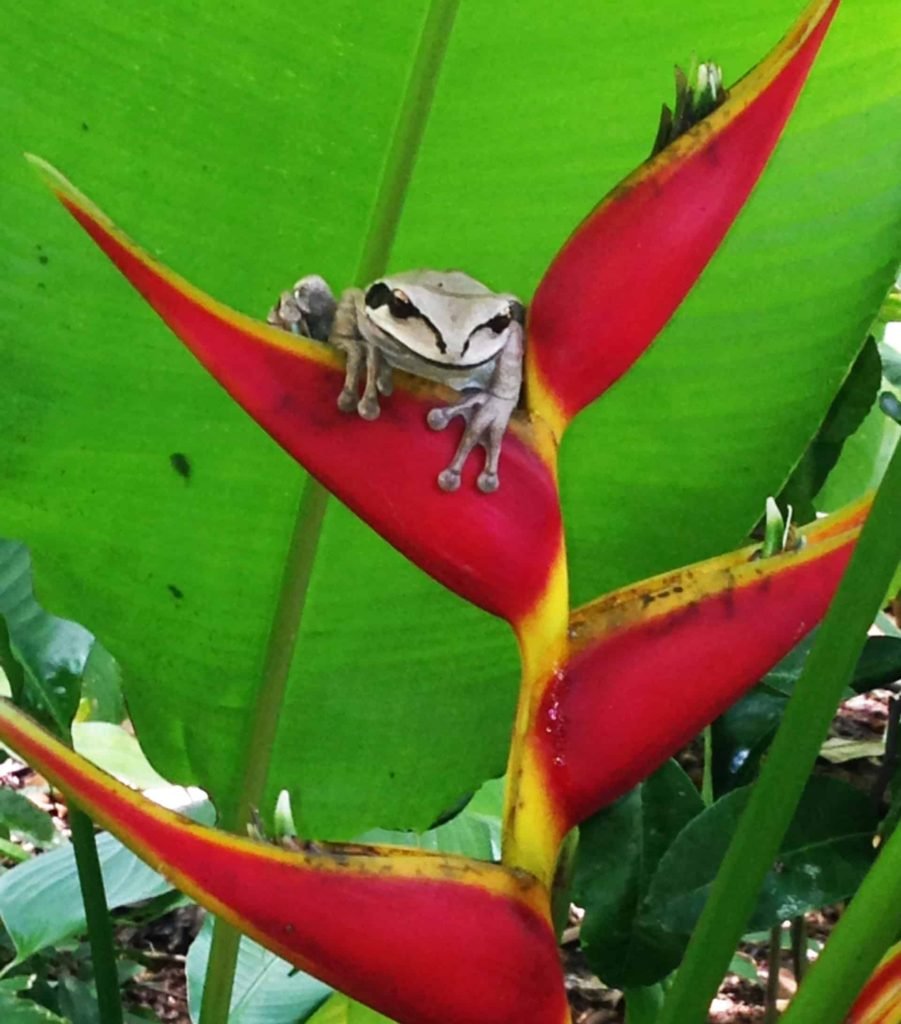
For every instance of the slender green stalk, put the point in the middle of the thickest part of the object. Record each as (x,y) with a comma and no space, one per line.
(408,131)
(774,957)
(867,928)
(643,1004)
(707,777)
(220,970)
(100,927)
(401,159)
(791,757)
(799,947)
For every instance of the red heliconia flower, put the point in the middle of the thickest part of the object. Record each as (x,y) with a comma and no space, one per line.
(431,939)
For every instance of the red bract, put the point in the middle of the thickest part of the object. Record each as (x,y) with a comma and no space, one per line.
(653,664)
(425,938)
(621,276)
(648,666)
(384,470)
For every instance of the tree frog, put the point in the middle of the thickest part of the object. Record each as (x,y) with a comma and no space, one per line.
(442,325)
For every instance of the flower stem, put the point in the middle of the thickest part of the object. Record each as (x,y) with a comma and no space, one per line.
(774,958)
(100,928)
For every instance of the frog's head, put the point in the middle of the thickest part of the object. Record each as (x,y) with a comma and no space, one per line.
(443,317)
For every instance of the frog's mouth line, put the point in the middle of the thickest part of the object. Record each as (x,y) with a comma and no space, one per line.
(418,355)
(444,365)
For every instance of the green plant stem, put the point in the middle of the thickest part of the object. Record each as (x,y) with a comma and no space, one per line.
(867,928)
(774,957)
(408,130)
(707,776)
(226,938)
(643,1004)
(100,928)
(389,202)
(799,947)
(768,813)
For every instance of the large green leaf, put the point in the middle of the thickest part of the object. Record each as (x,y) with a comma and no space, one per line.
(244,144)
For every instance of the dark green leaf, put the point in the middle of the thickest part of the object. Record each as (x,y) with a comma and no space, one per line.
(743,733)
(619,851)
(825,854)
(879,664)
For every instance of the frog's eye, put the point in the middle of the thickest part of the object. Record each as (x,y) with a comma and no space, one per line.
(499,323)
(400,306)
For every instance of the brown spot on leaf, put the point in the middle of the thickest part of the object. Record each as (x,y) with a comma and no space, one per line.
(181,464)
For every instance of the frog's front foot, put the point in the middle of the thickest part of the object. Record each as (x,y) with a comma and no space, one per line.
(486,416)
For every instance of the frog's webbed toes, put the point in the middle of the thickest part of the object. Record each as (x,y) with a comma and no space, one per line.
(486,417)
(347,400)
(439,418)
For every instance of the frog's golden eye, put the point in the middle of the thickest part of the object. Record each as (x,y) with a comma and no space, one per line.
(400,306)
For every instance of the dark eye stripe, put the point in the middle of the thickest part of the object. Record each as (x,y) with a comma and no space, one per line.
(380,294)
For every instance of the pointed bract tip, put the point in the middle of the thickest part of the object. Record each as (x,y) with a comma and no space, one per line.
(63,189)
